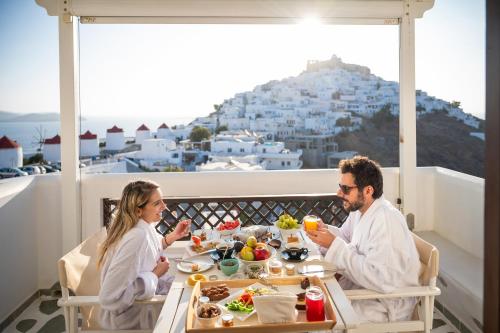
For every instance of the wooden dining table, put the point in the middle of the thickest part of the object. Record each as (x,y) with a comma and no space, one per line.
(172,318)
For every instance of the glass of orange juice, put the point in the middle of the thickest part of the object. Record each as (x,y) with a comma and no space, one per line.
(311,222)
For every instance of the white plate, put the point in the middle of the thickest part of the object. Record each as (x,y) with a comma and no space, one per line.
(203,262)
(319,268)
(237,314)
(192,252)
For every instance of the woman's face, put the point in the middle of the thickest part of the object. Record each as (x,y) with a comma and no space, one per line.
(151,212)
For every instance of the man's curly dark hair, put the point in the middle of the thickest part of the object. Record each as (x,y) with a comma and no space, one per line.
(366,172)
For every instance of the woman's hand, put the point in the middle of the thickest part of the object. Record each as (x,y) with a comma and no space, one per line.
(161,267)
(182,229)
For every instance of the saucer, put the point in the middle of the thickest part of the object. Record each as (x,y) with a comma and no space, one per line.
(286,256)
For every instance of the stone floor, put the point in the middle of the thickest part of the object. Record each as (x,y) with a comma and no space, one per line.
(44,316)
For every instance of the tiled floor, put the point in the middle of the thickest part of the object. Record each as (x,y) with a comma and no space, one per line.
(44,316)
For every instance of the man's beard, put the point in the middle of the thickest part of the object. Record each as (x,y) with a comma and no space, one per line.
(352,207)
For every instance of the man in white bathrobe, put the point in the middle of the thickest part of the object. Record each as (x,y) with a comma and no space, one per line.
(374,248)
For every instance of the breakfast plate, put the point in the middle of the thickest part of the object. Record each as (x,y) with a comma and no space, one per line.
(240,315)
(204,264)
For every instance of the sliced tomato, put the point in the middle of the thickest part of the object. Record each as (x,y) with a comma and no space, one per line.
(196,240)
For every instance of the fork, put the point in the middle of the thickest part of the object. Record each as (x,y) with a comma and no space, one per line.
(266,282)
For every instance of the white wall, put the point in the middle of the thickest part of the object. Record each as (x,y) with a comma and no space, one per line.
(18,243)
(48,227)
(459,209)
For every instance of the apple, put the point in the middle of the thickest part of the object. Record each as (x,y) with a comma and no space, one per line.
(260,245)
(252,241)
(247,254)
(261,253)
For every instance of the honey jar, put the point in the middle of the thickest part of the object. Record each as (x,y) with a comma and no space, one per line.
(227,320)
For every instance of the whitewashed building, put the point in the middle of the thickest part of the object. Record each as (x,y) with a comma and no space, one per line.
(156,148)
(231,165)
(89,145)
(142,133)
(181,132)
(274,156)
(11,153)
(157,154)
(52,149)
(164,132)
(115,139)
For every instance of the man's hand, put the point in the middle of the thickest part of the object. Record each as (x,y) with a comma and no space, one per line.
(323,237)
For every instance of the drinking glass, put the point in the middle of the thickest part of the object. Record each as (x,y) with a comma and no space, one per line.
(315,304)
(311,222)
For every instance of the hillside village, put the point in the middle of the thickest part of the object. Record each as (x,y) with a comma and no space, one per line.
(311,120)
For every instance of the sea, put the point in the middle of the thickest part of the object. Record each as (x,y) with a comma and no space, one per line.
(27,133)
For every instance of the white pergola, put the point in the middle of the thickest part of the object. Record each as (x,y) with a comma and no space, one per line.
(73,12)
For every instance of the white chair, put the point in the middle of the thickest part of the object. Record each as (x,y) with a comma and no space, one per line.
(78,272)
(429,268)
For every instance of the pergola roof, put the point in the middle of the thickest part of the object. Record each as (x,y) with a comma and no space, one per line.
(237,11)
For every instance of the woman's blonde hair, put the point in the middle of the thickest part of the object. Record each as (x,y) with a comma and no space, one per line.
(134,196)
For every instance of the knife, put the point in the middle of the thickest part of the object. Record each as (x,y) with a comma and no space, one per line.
(318,271)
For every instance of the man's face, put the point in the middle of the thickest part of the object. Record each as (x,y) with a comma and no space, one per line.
(353,196)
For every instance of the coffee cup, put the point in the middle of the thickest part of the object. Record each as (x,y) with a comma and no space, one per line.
(224,250)
(295,253)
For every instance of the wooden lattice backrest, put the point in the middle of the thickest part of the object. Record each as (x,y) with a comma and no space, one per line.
(255,210)
(429,260)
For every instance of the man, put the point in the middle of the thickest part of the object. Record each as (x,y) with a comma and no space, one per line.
(374,248)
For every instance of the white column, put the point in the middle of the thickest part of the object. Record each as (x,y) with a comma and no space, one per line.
(70,112)
(407,116)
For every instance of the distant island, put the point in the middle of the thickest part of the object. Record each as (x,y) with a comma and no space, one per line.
(26,117)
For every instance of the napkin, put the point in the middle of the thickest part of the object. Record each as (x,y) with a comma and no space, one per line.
(276,308)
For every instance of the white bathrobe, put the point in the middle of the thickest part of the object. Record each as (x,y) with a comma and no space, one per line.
(127,276)
(376,251)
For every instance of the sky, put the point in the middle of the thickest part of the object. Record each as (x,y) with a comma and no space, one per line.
(182,70)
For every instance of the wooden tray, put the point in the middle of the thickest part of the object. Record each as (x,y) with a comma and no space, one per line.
(252,324)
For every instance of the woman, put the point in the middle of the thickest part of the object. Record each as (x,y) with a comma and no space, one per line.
(131,261)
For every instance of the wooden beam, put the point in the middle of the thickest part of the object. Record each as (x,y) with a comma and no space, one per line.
(491,308)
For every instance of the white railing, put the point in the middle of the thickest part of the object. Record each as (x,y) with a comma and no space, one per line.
(450,203)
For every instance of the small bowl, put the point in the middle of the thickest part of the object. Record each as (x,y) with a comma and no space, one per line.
(276,243)
(254,270)
(207,322)
(230,231)
(286,232)
(229,266)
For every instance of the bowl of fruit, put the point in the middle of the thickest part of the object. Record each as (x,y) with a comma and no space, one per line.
(287,225)
(255,252)
(229,227)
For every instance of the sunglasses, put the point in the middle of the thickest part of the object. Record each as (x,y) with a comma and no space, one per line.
(346,189)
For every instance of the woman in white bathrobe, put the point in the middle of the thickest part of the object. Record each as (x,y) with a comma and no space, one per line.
(374,248)
(131,261)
